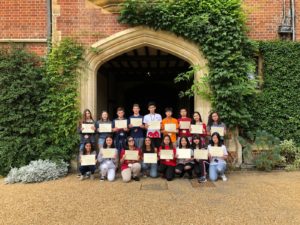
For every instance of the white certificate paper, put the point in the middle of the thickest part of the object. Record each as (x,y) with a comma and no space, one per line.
(105,127)
(87,128)
(201,154)
(154,125)
(185,124)
(120,124)
(136,122)
(131,155)
(220,130)
(150,158)
(108,153)
(88,160)
(170,127)
(166,154)
(183,153)
(216,152)
(197,129)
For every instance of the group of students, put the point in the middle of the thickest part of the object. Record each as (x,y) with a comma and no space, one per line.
(145,138)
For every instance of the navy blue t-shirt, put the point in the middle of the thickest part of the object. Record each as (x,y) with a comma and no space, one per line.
(136,132)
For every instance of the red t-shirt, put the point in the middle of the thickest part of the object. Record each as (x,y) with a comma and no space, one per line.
(184,132)
(168,162)
(125,163)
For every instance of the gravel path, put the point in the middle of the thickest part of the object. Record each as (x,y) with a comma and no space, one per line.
(246,198)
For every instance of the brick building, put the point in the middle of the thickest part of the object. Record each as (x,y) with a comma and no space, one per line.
(131,60)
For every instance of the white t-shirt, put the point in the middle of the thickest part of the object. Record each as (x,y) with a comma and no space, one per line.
(220,160)
(152,117)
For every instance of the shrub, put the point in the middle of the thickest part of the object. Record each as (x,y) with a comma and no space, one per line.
(37,171)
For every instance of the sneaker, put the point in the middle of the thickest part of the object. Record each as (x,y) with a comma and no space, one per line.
(202,180)
(81,177)
(224,178)
(102,178)
(145,175)
(136,178)
(92,177)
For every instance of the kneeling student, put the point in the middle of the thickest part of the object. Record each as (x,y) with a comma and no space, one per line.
(185,165)
(87,168)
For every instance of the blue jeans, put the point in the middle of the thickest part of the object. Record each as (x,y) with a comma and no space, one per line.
(150,166)
(216,169)
(139,142)
(85,169)
(101,142)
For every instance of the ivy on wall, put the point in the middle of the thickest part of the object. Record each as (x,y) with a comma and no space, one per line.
(217,26)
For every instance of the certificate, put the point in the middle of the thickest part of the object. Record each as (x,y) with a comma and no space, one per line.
(88,160)
(185,124)
(108,153)
(197,129)
(120,124)
(166,154)
(216,151)
(220,130)
(136,122)
(154,125)
(104,127)
(131,155)
(150,158)
(170,127)
(201,154)
(184,153)
(87,128)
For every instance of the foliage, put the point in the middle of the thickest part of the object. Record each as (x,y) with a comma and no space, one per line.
(291,153)
(22,90)
(60,106)
(217,26)
(37,171)
(276,108)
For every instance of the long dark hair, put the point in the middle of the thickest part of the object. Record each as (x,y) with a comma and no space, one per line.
(196,136)
(84,149)
(100,118)
(210,120)
(127,146)
(163,144)
(112,145)
(144,145)
(193,121)
(188,145)
(220,142)
(83,120)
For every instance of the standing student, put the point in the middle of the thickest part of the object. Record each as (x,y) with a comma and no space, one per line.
(184,118)
(120,134)
(170,120)
(149,168)
(87,118)
(217,165)
(137,132)
(108,166)
(200,165)
(167,166)
(154,134)
(104,119)
(185,165)
(214,120)
(88,150)
(197,120)
(130,168)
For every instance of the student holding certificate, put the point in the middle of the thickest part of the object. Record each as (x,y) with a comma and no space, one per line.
(167,166)
(149,168)
(88,150)
(130,168)
(136,126)
(214,121)
(108,166)
(184,125)
(153,133)
(120,133)
(86,129)
(197,120)
(217,165)
(102,135)
(201,165)
(185,165)
(170,125)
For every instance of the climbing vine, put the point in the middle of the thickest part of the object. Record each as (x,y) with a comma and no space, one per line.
(218,27)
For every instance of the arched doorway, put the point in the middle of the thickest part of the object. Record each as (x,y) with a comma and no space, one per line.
(128,41)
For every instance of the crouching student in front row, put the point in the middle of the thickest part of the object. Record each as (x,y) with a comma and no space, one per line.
(88,150)
(185,165)
(149,168)
(217,165)
(108,166)
(167,166)
(200,164)
(130,168)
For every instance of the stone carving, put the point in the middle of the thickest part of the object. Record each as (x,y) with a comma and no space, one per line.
(112,6)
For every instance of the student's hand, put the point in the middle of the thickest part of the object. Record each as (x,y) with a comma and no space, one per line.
(125,129)
(81,128)
(146,126)
(176,156)
(142,126)
(93,128)
(115,156)
(115,129)
(130,126)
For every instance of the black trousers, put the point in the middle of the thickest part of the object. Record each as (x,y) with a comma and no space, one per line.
(201,168)
(181,169)
(167,171)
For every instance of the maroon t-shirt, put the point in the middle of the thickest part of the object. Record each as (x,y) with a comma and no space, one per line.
(184,132)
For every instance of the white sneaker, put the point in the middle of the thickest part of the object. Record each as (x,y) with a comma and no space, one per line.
(81,177)
(92,177)
(224,178)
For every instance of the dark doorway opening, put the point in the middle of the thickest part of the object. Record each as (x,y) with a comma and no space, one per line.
(139,76)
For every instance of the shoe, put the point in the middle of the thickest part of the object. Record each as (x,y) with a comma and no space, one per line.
(102,178)
(224,178)
(145,175)
(81,177)
(92,177)
(136,178)
(202,180)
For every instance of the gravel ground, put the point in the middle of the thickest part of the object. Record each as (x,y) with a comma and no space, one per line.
(246,198)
